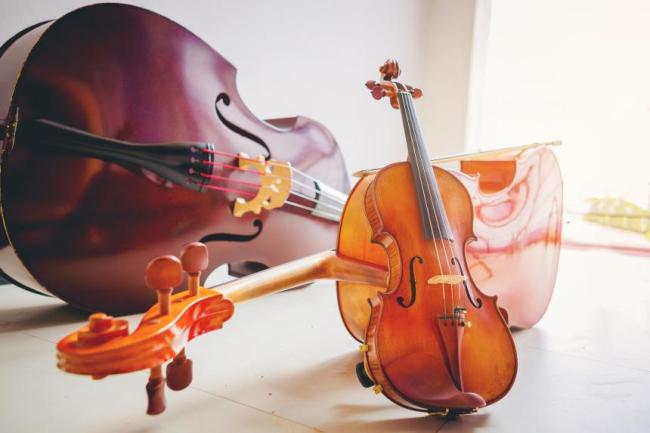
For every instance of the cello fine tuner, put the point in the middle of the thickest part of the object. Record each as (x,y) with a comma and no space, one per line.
(104,346)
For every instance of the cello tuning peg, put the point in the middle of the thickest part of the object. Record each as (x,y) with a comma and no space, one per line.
(156,402)
(163,274)
(179,372)
(194,258)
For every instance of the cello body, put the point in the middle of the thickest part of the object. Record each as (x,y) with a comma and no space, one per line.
(82,228)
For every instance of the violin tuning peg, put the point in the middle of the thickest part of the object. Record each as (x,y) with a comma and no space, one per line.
(416,93)
(163,274)
(156,403)
(194,258)
(378,92)
(179,372)
(390,69)
(371,84)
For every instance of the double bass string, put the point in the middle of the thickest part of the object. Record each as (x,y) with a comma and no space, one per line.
(293,181)
(252,194)
(293,169)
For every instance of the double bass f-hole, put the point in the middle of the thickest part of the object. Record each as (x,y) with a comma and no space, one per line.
(412,281)
(476,303)
(237,129)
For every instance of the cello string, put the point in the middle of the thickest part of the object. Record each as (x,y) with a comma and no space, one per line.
(288,202)
(293,169)
(411,143)
(257,185)
(308,187)
(435,214)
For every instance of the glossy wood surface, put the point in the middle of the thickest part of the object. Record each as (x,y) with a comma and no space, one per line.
(518,229)
(85,228)
(414,354)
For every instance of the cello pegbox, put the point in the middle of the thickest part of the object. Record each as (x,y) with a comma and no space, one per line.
(163,274)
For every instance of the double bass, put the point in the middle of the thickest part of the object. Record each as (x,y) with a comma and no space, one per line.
(434,342)
(121,146)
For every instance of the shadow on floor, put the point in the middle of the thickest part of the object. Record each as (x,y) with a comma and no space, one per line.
(42,316)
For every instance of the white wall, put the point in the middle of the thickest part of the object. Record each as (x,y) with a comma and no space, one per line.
(313,58)
(580,71)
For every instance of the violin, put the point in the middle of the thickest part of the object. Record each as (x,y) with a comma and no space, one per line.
(121,146)
(420,351)
(434,341)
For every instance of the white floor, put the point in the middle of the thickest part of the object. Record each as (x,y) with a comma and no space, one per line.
(286,364)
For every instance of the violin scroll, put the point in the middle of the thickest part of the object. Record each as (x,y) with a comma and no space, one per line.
(387,87)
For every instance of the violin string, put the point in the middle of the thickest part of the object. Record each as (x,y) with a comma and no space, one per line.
(257,185)
(439,226)
(406,113)
(271,162)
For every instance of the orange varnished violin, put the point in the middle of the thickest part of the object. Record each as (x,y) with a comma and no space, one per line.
(449,347)
(434,341)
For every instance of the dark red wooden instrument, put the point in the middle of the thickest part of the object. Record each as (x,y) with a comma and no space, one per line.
(123,140)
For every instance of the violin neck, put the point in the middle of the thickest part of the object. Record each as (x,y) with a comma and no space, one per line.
(432,211)
(325,265)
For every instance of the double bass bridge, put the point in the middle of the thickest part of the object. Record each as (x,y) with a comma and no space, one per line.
(275,185)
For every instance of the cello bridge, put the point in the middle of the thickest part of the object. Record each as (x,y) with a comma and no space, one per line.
(274,189)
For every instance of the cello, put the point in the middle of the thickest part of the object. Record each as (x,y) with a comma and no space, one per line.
(453,359)
(121,146)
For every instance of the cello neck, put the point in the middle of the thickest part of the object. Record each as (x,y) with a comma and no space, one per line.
(325,265)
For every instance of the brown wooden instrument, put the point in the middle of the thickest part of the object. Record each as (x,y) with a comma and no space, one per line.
(121,146)
(421,351)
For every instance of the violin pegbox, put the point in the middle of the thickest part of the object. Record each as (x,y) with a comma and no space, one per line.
(104,346)
(386,87)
